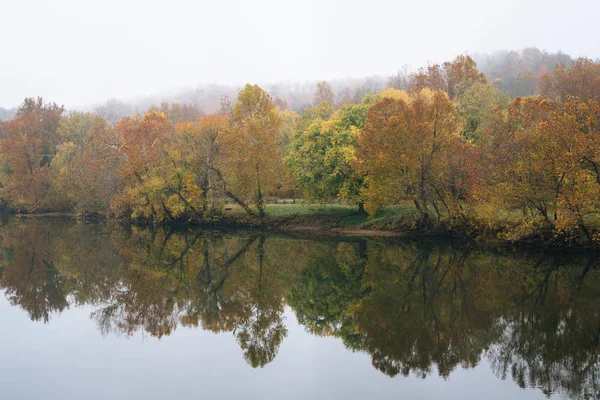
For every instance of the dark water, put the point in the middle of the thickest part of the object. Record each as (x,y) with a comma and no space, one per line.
(101,312)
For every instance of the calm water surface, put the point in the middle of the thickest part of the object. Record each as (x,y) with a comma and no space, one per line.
(103,312)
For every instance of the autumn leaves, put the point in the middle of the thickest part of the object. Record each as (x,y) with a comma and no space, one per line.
(146,167)
(188,173)
(408,151)
(541,163)
(472,159)
(451,144)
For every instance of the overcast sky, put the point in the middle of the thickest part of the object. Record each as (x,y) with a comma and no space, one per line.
(77,52)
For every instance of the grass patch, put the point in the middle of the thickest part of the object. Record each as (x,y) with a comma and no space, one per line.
(337,215)
(387,218)
(592,221)
(277,210)
(282,210)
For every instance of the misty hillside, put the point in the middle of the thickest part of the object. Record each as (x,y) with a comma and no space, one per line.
(513,72)
(7,113)
(208,98)
(516,73)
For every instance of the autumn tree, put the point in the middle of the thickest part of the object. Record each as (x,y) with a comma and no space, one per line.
(287,186)
(28,144)
(322,155)
(320,112)
(460,73)
(543,164)
(198,146)
(324,92)
(580,79)
(83,173)
(405,153)
(452,77)
(251,160)
(432,77)
(141,153)
(544,83)
(510,150)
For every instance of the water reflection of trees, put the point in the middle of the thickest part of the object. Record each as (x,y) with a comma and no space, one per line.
(154,280)
(412,307)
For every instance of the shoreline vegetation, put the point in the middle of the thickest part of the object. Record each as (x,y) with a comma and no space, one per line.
(338,220)
(442,152)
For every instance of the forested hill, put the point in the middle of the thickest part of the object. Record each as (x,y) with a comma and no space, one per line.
(516,73)
(513,72)
(6,114)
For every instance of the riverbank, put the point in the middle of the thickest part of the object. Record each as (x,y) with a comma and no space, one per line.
(325,219)
(397,221)
(344,220)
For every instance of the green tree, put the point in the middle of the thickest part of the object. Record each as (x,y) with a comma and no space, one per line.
(477,105)
(321,156)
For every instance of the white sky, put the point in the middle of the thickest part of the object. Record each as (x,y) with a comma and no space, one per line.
(77,52)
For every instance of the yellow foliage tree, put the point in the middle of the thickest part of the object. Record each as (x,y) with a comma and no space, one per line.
(406,152)
(251,161)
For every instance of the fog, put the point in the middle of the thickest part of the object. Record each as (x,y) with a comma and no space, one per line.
(82,52)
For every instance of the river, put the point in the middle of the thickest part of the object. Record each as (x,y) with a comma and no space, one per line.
(102,311)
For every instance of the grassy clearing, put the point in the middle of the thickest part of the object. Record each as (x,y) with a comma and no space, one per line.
(592,221)
(335,215)
(280,210)
(386,218)
(402,218)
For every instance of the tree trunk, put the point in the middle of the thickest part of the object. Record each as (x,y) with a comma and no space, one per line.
(422,209)
(361,208)
(240,202)
(259,203)
(362,249)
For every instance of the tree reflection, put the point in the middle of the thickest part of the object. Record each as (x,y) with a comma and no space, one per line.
(29,274)
(151,280)
(413,307)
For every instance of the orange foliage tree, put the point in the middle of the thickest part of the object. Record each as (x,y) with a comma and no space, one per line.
(412,150)
(28,144)
(581,79)
(543,162)
(141,151)
(452,77)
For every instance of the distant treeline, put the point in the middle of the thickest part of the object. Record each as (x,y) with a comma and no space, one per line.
(514,73)
(6,114)
(467,155)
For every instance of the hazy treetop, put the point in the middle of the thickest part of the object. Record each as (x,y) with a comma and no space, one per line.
(82,52)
